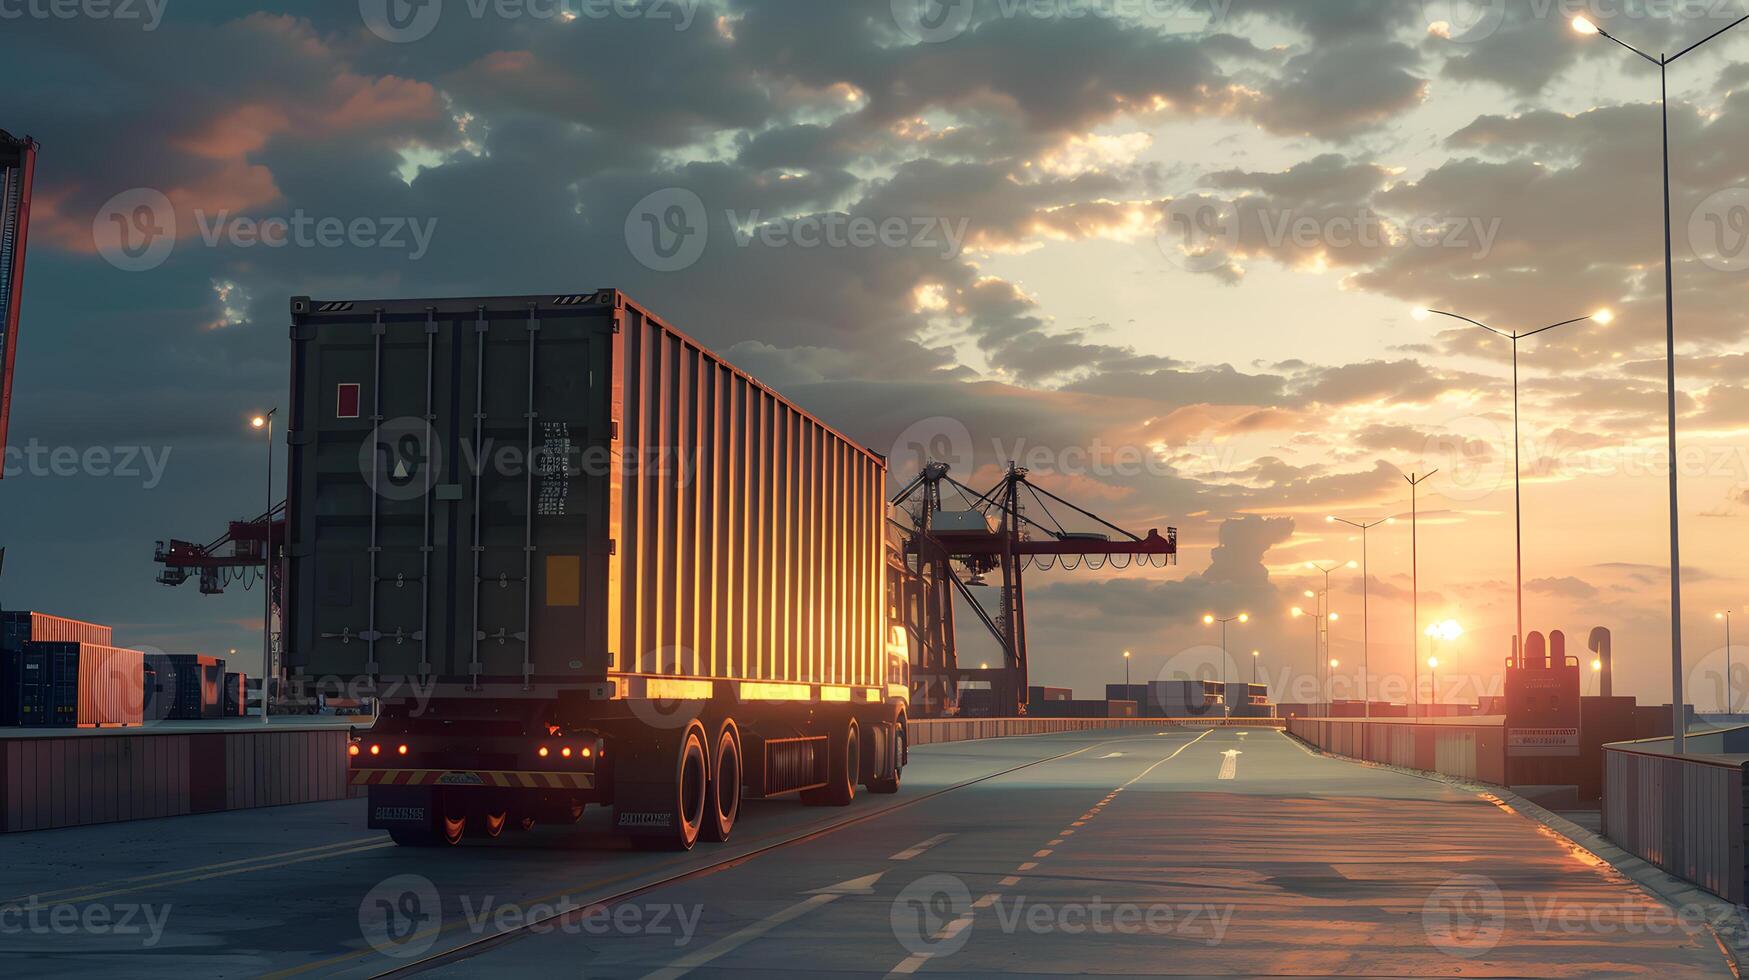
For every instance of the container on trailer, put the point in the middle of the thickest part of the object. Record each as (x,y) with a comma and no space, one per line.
(20,627)
(91,685)
(596,503)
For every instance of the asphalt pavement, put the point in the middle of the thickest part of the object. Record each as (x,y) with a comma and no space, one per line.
(1180,852)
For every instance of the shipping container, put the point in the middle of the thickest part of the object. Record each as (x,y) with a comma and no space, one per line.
(25,689)
(187,687)
(19,628)
(89,685)
(236,695)
(560,513)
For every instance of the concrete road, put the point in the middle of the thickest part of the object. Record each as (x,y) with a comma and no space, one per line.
(1178,853)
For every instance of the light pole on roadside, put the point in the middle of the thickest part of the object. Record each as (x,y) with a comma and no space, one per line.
(1365,610)
(1209,620)
(1601,316)
(265,422)
(1324,616)
(1126,673)
(1415,576)
(1726,616)
(1679,721)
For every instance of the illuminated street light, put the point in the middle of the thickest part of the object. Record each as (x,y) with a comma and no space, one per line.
(1446,631)
(1126,673)
(1210,619)
(1679,723)
(1415,481)
(265,423)
(1601,316)
(1322,620)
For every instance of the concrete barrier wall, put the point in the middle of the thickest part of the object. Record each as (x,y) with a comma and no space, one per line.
(934,730)
(1681,813)
(49,781)
(1475,752)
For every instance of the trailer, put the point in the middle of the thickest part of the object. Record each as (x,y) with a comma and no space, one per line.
(580,560)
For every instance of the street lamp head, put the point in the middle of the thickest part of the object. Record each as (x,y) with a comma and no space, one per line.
(1334,617)
(1583,25)
(1718,615)
(1605,317)
(1208,619)
(1352,564)
(1330,519)
(1257,653)
(1596,665)
(1244,617)
(1420,313)
(1312,565)
(1310,594)
(1334,662)
(1126,655)
(1433,662)
(258,421)
(1390,520)
(1298,612)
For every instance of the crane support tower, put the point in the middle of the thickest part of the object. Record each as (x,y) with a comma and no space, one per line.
(17,168)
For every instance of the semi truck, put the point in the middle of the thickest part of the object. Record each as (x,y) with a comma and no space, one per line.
(580,560)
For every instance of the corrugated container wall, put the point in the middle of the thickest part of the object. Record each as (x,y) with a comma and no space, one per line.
(91,685)
(19,628)
(594,493)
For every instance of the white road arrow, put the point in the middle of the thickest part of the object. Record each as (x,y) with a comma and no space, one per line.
(1230,764)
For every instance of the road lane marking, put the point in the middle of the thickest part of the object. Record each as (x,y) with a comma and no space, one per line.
(918,848)
(746,934)
(208,876)
(194,870)
(1230,764)
(915,962)
(1111,755)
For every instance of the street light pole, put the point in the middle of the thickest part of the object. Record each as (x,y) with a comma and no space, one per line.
(1210,619)
(1365,611)
(1679,721)
(266,422)
(1126,673)
(1325,617)
(1601,316)
(1415,576)
(1726,616)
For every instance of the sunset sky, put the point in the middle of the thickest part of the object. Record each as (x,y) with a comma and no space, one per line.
(1193,235)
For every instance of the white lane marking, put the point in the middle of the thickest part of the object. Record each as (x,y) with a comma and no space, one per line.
(1230,764)
(910,965)
(918,848)
(1111,755)
(1174,755)
(745,935)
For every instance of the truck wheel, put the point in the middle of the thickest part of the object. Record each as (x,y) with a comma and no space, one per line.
(669,815)
(890,782)
(723,799)
(844,749)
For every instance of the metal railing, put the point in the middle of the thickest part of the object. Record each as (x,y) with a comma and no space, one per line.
(1683,814)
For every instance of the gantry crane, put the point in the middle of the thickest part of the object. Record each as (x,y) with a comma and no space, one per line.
(240,555)
(994,532)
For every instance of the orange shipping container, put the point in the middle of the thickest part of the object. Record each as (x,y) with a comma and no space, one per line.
(18,628)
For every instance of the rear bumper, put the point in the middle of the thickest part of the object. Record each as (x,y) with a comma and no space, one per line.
(473,777)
